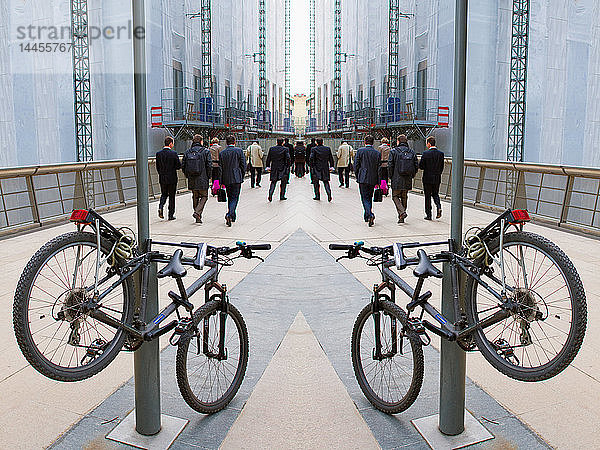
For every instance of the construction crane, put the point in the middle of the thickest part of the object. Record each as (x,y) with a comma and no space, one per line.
(337,61)
(262,63)
(312,41)
(206,27)
(287,33)
(394,27)
(517,93)
(82,100)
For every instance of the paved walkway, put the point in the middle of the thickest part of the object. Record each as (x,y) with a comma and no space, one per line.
(56,406)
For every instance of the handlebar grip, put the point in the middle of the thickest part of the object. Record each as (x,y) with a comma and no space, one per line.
(340,247)
(259,247)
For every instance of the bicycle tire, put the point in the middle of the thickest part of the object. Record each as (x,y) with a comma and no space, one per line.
(411,386)
(22,320)
(187,373)
(498,350)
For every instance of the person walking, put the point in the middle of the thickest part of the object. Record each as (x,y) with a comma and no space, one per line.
(255,154)
(167,165)
(197,167)
(278,162)
(215,149)
(384,149)
(300,159)
(432,165)
(233,167)
(366,167)
(403,166)
(321,160)
(290,148)
(344,153)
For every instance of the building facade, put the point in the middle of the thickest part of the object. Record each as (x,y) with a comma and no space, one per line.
(37,120)
(563,83)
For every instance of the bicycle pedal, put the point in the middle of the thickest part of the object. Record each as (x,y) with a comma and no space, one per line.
(183,326)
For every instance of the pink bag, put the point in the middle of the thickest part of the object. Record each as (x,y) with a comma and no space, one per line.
(384,187)
(215,187)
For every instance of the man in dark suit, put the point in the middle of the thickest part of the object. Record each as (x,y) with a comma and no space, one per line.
(321,160)
(233,167)
(403,166)
(366,167)
(290,148)
(278,162)
(432,165)
(167,165)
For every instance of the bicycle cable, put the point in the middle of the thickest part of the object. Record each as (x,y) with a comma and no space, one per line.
(476,248)
(124,247)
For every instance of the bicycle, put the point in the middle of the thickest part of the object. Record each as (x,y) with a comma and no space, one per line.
(524,309)
(75,309)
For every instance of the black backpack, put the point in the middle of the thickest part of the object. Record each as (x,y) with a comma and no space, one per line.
(194,162)
(405,161)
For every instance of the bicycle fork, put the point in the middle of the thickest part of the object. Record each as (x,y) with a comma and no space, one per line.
(219,354)
(378,355)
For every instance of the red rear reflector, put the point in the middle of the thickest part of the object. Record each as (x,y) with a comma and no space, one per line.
(79,215)
(520,215)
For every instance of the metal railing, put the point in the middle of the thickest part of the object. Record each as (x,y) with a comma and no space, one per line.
(564,196)
(561,195)
(37,195)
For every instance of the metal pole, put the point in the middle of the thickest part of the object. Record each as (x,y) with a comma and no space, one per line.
(453,358)
(146,359)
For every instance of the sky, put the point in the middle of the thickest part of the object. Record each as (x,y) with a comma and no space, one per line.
(299,51)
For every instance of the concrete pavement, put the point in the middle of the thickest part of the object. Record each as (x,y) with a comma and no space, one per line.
(543,406)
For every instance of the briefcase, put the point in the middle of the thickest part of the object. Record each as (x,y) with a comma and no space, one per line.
(221,195)
(378,195)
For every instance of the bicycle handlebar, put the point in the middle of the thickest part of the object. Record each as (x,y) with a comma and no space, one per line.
(340,247)
(353,250)
(259,247)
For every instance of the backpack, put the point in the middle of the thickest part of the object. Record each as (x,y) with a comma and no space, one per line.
(194,162)
(404,161)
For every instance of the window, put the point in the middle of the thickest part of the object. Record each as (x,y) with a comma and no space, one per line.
(360,96)
(178,91)
(227,94)
(422,90)
(372,94)
(197,89)
(240,96)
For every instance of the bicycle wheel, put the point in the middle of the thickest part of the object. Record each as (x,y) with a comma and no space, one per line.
(393,382)
(546,328)
(58,338)
(208,381)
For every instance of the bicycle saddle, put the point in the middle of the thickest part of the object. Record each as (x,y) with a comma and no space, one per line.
(174,268)
(425,268)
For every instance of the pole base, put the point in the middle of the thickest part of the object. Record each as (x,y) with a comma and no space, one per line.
(474,432)
(125,433)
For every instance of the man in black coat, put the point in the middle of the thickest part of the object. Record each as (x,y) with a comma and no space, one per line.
(321,160)
(290,148)
(278,162)
(233,167)
(366,167)
(309,148)
(402,168)
(197,167)
(167,164)
(432,165)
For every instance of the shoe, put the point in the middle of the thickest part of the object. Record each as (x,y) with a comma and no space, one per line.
(341,185)
(197,217)
(401,219)
(282,198)
(317,198)
(227,220)
(172,218)
(329,198)
(427,218)
(258,185)
(439,214)
(160,214)
(270,198)
(371,220)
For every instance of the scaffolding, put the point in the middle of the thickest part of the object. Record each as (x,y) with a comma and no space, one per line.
(262,57)
(287,26)
(312,41)
(82,92)
(206,26)
(337,62)
(394,25)
(517,92)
